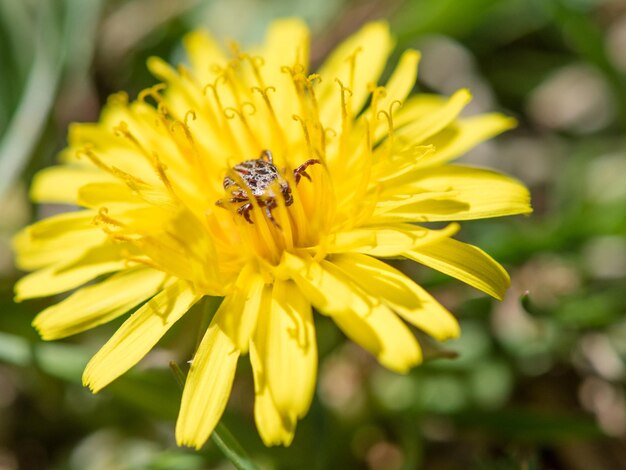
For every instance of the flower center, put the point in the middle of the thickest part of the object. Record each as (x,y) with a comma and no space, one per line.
(268,210)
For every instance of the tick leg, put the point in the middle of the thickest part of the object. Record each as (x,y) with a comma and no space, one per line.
(268,211)
(299,172)
(266,155)
(234,200)
(245,211)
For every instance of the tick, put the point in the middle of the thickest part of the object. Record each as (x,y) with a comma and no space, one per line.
(259,175)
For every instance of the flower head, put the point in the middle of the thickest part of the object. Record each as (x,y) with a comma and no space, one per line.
(246,176)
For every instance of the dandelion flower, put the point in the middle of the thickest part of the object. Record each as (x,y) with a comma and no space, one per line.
(245,176)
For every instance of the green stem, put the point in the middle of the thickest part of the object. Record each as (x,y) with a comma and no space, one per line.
(222,437)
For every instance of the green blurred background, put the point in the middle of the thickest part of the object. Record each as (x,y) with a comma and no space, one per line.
(536,381)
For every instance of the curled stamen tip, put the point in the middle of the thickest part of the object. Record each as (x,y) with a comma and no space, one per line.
(250,106)
(314,77)
(382,114)
(153,91)
(210,86)
(394,102)
(233,47)
(162,110)
(344,88)
(121,129)
(183,71)
(191,113)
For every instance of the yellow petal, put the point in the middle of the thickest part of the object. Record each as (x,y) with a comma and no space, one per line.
(207,387)
(464,262)
(56,240)
(111,195)
(60,184)
(465,134)
(287,44)
(387,240)
(287,347)
(328,293)
(464,193)
(138,335)
(183,249)
(67,275)
(358,62)
(400,293)
(384,335)
(274,428)
(94,305)
(204,53)
(241,307)
(419,130)
(402,79)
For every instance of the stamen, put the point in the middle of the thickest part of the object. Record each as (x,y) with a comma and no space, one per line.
(377,93)
(233,47)
(309,83)
(191,113)
(276,129)
(191,148)
(346,105)
(388,115)
(152,92)
(104,221)
(225,128)
(307,137)
(152,157)
(160,169)
(230,113)
(129,260)
(87,151)
(352,61)
(256,62)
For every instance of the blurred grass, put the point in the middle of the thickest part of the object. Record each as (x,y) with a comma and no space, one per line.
(537,381)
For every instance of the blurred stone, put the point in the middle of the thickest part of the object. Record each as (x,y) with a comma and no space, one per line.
(107,449)
(605,257)
(384,456)
(601,355)
(574,98)
(528,157)
(8,388)
(548,279)
(341,382)
(438,428)
(447,66)
(616,43)
(607,402)
(606,178)
(8,461)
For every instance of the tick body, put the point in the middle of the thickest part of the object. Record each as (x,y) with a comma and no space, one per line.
(259,176)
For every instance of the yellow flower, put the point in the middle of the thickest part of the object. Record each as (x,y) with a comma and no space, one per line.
(158,221)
